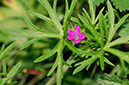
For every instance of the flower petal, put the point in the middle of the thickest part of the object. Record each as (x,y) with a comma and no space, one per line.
(70,37)
(77,41)
(81,36)
(70,32)
(77,29)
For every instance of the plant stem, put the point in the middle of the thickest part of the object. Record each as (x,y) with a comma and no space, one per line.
(93,71)
(113,71)
(65,68)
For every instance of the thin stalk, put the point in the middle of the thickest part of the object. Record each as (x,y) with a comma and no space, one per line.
(93,71)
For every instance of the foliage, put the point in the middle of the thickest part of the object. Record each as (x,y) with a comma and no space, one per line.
(112,79)
(51,35)
(122,5)
(14,70)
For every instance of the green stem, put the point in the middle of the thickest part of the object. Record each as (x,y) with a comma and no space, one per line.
(93,71)
(53,79)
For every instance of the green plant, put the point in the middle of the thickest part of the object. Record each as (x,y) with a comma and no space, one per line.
(5,77)
(99,31)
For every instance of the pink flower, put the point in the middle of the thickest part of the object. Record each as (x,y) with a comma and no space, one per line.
(76,35)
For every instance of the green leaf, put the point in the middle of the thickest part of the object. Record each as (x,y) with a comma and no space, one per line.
(108,62)
(113,30)
(12,72)
(54,5)
(111,21)
(122,5)
(122,64)
(112,79)
(30,42)
(118,53)
(84,63)
(118,41)
(52,14)
(31,24)
(59,54)
(72,6)
(97,2)
(68,12)
(122,20)
(88,66)
(105,26)
(53,67)
(4,67)
(89,36)
(2,49)
(2,74)
(101,60)
(125,29)
(92,11)
(67,6)
(76,21)
(48,54)
(87,15)
(74,49)
(88,26)
(97,18)
(29,33)
(47,6)
(41,16)
(4,53)
(124,72)
(82,66)
(66,64)
(101,31)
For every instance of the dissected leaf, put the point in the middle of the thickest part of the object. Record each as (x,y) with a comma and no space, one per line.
(122,5)
(49,54)
(97,2)
(87,15)
(12,72)
(4,53)
(124,72)
(111,21)
(69,12)
(84,63)
(118,41)
(125,29)
(92,11)
(118,53)
(74,49)
(89,26)
(111,80)
(52,14)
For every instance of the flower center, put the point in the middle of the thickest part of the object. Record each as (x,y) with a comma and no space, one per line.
(76,36)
